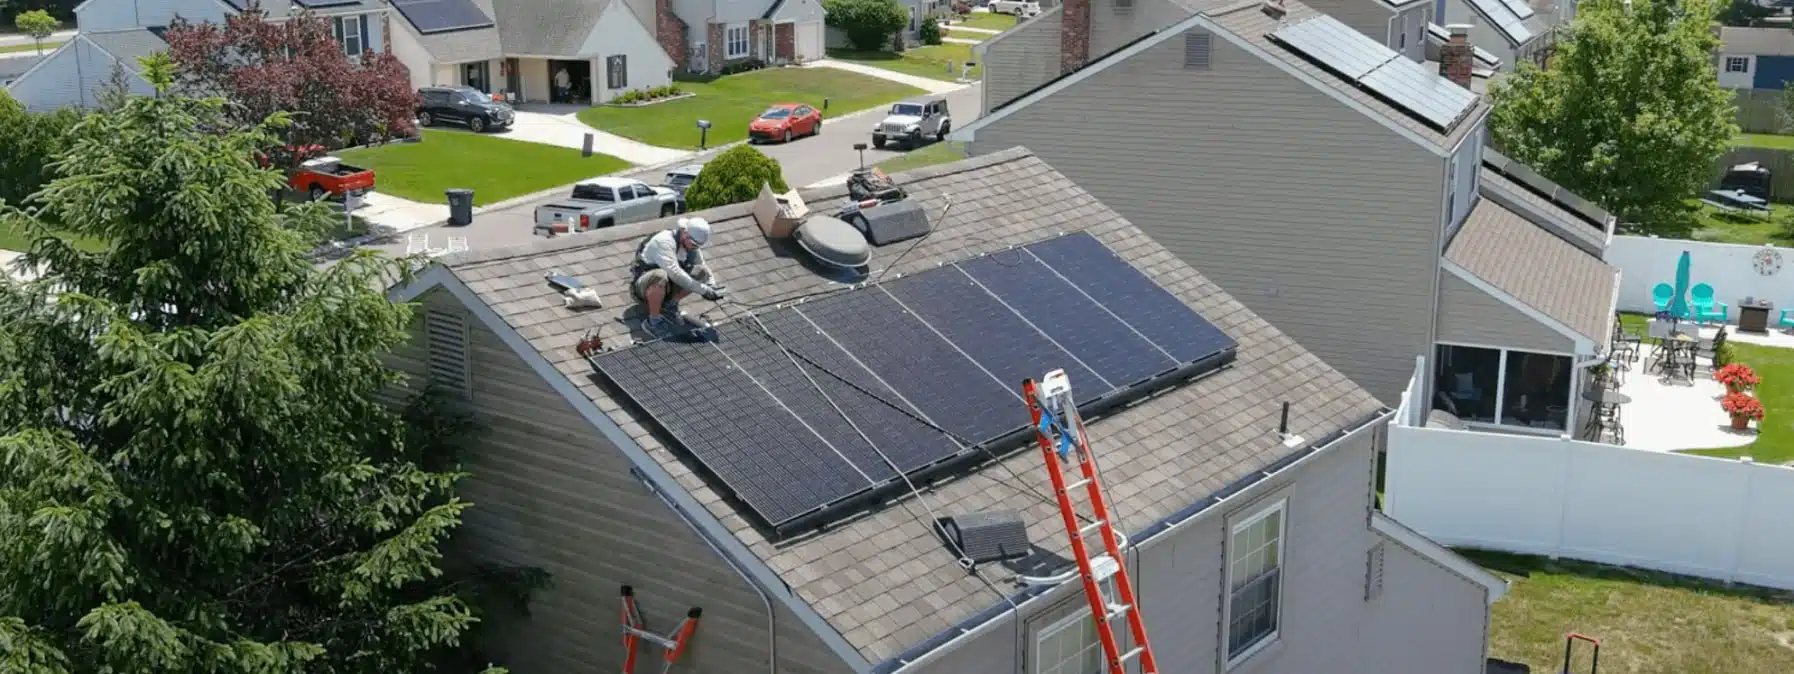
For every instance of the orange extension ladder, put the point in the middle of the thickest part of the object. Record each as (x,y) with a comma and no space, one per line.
(635,632)
(1061,434)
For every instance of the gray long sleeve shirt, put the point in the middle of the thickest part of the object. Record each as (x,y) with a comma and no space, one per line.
(663,251)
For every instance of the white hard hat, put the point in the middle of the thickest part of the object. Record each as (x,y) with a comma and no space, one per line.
(696,228)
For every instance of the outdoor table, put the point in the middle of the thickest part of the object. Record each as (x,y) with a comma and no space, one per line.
(1607,405)
(1678,356)
(1753,315)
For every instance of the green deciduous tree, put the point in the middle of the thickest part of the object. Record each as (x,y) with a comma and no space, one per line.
(197,473)
(868,24)
(1630,114)
(38,24)
(733,177)
(930,31)
(28,142)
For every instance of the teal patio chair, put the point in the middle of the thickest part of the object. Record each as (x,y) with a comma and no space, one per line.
(1661,294)
(1705,309)
(1786,321)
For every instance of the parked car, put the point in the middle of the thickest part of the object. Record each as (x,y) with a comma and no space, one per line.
(1016,7)
(328,177)
(462,105)
(912,123)
(680,178)
(606,202)
(785,121)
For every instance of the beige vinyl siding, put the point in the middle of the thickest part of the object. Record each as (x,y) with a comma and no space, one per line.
(1467,315)
(1458,643)
(549,491)
(1111,28)
(1024,58)
(1311,213)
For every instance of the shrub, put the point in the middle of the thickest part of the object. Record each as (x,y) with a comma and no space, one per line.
(1736,377)
(742,66)
(869,24)
(733,177)
(1742,405)
(962,9)
(930,32)
(29,142)
(1723,356)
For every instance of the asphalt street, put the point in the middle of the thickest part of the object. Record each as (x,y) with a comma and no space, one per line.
(805,161)
(13,40)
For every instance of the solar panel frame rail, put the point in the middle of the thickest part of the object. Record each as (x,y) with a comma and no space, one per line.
(812,412)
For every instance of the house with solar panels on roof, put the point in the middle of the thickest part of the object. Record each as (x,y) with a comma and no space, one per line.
(116,33)
(1344,193)
(1510,30)
(841,476)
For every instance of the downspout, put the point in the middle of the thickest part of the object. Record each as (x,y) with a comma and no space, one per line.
(772,639)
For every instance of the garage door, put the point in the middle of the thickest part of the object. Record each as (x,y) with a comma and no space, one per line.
(809,40)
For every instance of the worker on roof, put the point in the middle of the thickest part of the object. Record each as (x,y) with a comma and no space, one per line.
(667,267)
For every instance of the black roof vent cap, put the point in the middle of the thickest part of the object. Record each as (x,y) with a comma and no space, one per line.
(985,537)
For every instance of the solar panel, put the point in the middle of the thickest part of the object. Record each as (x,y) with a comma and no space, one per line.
(315,4)
(1146,306)
(1436,100)
(950,389)
(1077,323)
(1505,19)
(1520,9)
(1335,46)
(733,428)
(441,16)
(980,325)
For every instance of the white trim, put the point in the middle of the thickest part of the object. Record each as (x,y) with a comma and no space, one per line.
(1743,62)
(1492,347)
(1431,549)
(747,40)
(1584,345)
(1079,616)
(709,527)
(1513,430)
(1500,393)
(969,132)
(1280,508)
(1501,384)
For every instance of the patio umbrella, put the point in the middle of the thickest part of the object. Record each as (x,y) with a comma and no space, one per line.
(1678,303)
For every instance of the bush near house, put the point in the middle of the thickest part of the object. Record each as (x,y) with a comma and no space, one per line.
(869,24)
(930,32)
(732,177)
(647,95)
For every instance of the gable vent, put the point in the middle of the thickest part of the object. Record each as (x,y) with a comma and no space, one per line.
(447,335)
(1373,573)
(1196,50)
(1124,7)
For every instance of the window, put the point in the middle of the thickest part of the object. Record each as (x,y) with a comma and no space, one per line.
(1254,582)
(597,193)
(1503,386)
(735,42)
(912,18)
(1451,192)
(1737,64)
(616,72)
(1070,645)
(1401,36)
(349,34)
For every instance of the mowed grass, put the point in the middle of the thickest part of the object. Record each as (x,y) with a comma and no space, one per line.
(979,36)
(931,62)
(988,21)
(495,169)
(927,155)
(732,101)
(1722,227)
(49,46)
(1765,140)
(1648,623)
(1775,366)
(14,240)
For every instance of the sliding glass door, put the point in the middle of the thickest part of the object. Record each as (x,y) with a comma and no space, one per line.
(1503,386)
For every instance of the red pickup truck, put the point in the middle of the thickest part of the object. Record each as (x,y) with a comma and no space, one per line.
(321,176)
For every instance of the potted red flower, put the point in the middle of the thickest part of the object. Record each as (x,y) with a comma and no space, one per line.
(1737,377)
(1743,407)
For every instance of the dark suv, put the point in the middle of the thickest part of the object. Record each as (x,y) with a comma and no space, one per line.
(462,105)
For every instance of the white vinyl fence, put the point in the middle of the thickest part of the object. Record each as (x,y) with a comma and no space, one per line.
(1730,268)
(1715,518)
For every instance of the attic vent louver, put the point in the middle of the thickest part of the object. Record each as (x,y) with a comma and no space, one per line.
(1373,573)
(984,537)
(1196,50)
(1124,7)
(447,342)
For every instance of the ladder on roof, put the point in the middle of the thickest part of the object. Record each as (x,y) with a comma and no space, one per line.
(635,632)
(1061,434)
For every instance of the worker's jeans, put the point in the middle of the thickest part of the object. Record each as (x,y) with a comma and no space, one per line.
(654,277)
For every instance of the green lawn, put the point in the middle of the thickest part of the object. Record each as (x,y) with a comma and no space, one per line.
(12,239)
(730,102)
(494,168)
(968,35)
(1765,140)
(1648,623)
(988,21)
(927,155)
(1721,227)
(49,46)
(930,62)
(1775,366)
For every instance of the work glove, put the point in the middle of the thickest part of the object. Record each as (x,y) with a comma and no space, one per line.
(713,293)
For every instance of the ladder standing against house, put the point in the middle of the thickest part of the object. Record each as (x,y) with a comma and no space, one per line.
(1061,435)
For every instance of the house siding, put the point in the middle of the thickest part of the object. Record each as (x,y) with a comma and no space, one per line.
(418,61)
(1111,28)
(1025,58)
(1313,214)
(1327,624)
(619,32)
(72,76)
(1772,72)
(549,491)
(102,15)
(1471,317)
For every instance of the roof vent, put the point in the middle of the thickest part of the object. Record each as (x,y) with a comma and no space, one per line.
(985,537)
(833,243)
(1273,9)
(890,221)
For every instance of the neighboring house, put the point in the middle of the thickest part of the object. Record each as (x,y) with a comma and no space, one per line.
(12,67)
(706,35)
(911,35)
(1510,30)
(115,33)
(1343,193)
(1249,547)
(1755,58)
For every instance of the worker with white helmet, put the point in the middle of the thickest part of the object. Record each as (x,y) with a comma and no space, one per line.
(666,268)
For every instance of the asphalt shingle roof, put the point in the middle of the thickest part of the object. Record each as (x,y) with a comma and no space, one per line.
(1758,41)
(547,27)
(1537,267)
(885,581)
(128,45)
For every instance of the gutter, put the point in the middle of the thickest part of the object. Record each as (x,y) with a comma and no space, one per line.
(923,654)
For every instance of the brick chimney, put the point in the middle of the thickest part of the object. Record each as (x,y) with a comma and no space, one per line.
(1273,9)
(1456,56)
(669,31)
(1074,35)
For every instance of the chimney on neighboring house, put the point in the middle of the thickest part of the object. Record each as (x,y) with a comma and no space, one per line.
(1456,56)
(669,31)
(1074,35)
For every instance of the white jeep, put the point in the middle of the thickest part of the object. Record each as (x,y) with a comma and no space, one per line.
(912,123)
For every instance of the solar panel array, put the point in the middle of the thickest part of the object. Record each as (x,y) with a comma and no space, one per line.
(925,371)
(1434,100)
(316,4)
(1519,8)
(1590,212)
(1505,16)
(442,16)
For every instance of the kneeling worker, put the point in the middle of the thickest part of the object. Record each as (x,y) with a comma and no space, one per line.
(669,266)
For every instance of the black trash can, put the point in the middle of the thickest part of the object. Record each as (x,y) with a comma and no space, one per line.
(460,207)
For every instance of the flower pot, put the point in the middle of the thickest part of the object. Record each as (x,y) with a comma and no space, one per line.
(1736,388)
(1740,422)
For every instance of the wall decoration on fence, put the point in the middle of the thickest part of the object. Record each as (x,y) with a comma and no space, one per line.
(1768,261)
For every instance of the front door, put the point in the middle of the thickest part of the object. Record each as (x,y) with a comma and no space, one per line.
(513,79)
(477,75)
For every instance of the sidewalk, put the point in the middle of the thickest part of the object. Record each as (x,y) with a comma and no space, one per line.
(932,86)
(961,40)
(559,125)
(965,29)
(13,40)
(7,260)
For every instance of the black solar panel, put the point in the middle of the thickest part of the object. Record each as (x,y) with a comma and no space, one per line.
(441,16)
(1148,307)
(1424,94)
(1103,343)
(315,4)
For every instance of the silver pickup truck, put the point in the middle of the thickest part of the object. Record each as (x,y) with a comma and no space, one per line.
(606,202)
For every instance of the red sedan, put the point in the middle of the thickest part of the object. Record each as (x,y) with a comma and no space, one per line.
(785,121)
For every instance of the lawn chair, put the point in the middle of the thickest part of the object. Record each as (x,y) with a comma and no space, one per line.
(1705,308)
(1710,347)
(1786,322)
(1625,343)
(1662,294)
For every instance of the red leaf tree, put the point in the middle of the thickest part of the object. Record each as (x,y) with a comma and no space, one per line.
(296,66)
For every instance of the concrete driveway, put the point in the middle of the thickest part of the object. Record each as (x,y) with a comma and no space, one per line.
(559,125)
